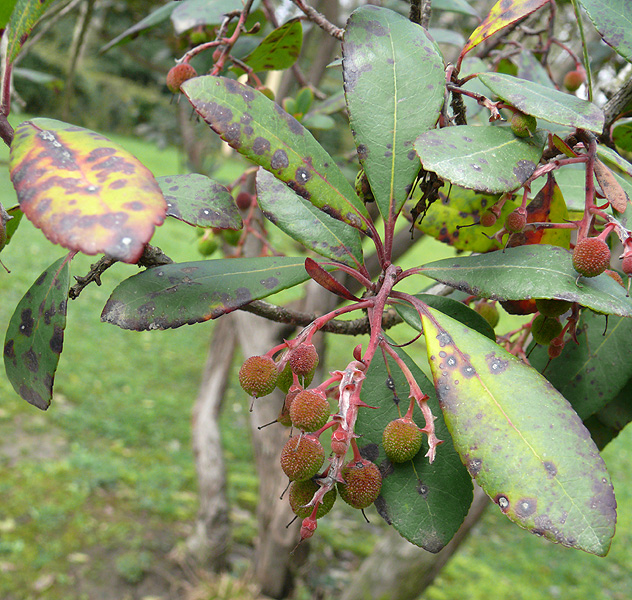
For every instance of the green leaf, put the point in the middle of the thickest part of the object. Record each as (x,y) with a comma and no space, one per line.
(531,69)
(453,308)
(535,271)
(154,18)
(447,36)
(622,136)
(391,68)
(280,49)
(457,207)
(12,224)
(572,182)
(25,15)
(457,6)
(545,103)
(426,503)
(613,21)
(488,159)
(306,224)
(520,439)
(606,424)
(193,13)
(83,191)
(261,130)
(591,374)
(178,294)
(199,200)
(6,8)
(35,336)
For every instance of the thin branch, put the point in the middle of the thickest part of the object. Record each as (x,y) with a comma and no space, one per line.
(320,19)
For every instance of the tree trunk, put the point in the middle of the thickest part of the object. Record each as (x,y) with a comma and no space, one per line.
(397,569)
(209,543)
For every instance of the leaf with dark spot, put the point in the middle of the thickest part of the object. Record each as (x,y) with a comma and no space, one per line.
(426,503)
(35,336)
(223,103)
(76,186)
(489,159)
(279,50)
(199,200)
(394,85)
(613,21)
(513,421)
(302,221)
(179,294)
(524,272)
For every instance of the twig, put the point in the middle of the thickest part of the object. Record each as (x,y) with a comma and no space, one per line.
(320,19)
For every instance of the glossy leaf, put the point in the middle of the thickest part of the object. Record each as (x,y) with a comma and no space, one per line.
(262,131)
(391,68)
(520,439)
(592,373)
(280,49)
(83,191)
(25,15)
(178,294)
(614,193)
(447,36)
(613,21)
(13,223)
(324,279)
(531,69)
(502,14)
(524,272)
(154,18)
(453,308)
(6,8)
(426,503)
(448,219)
(622,136)
(306,224)
(193,13)
(606,423)
(457,6)
(545,103)
(488,159)
(571,180)
(35,336)
(199,200)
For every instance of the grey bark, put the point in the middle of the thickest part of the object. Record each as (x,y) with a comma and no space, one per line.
(398,570)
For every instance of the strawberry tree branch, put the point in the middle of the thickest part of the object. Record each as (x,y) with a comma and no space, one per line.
(319,19)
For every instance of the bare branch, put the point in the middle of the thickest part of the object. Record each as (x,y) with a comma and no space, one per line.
(320,19)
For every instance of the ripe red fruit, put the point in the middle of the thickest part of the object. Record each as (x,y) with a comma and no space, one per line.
(309,410)
(178,75)
(488,219)
(544,329)
(555,348)
(363,482)
(243,200)
(301,492)
(258,376)
(302,457)
(519,307)
(401,440)
(614,275)
(303,359)
(626,265)
(591,257)
(573,80)
(515,221)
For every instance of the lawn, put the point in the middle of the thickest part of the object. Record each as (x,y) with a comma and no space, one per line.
(97,491)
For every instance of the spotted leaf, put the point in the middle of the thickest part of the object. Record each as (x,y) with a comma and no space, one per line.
(179,294)
(391,68)
(520,439)
(487,159)
(262,131)
(35,336)
(280,49)
(302,221)
(198,200)
(426,503)
(613,21)
(524,272)
(502,14)
(83,191)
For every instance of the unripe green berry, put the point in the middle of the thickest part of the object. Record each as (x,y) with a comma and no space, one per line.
(302,492)
(363,482)
(591,257)
(302,457)
(258,376)
(401,440)
(303,359)
(309,410)
(544,329)
(515,221)
(178,75)
(489,312)
(207,245)
(523,125)
(550,307)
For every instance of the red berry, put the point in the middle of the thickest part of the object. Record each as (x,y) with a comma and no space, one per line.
(258,376)
(488,219)
(309,410)
(626,265)
(515,221)
(302,457)
(178,75)
(401,440)
(363,482)
(591,257)
(573,80)
(243,200)
(614,275)
(303,359)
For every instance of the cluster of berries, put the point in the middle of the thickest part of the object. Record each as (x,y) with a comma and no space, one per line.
(314,486)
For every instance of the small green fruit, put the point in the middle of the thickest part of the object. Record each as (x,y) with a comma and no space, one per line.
(258,376)
(489,312)
(302,457)
(309,410)
(363,482)
(301,492)
(178,75)
(544,329)
(401,440)
(591,257)
(550,307)
(523,125)
(207,245)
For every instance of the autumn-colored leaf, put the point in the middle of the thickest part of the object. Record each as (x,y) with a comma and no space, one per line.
(614,193)
(83,191)
(324,279)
